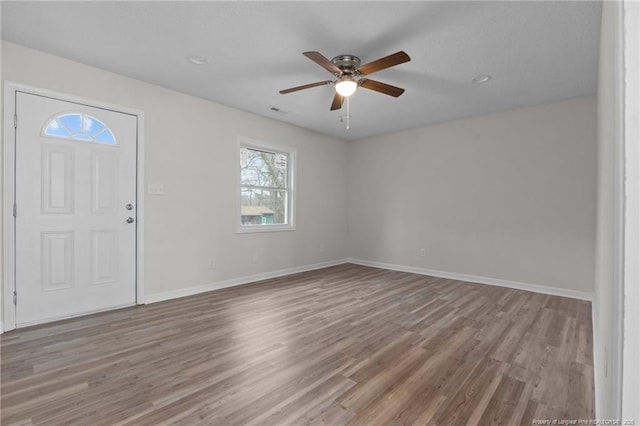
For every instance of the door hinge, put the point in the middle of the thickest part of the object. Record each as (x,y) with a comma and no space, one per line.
(15,210)
(15,297)
(15,121)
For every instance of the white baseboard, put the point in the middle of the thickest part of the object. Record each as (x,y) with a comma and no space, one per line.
(190,291)
(554,291)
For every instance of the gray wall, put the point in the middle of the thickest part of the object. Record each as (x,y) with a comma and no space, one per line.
(506,196)
(191,148)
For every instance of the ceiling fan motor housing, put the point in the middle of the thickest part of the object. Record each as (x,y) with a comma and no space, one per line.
(347,63)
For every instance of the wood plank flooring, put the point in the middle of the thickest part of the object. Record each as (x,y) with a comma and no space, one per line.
(342,345)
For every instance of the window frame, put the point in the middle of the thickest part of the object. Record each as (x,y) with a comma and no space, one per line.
(72,136)
(244,142)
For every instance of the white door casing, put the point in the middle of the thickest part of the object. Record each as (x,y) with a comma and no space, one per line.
(75,252)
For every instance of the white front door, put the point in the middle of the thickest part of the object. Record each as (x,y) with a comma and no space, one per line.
(75,209)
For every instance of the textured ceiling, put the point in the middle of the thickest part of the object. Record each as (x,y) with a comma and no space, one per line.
(536,52)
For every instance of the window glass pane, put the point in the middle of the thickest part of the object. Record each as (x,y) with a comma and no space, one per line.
(72,122)
(80,127)
(91,125)
(105,137)
(55,129)
(263,207)
(265,190)
(260,168)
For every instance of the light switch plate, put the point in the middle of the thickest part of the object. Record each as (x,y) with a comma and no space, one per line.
(155,189)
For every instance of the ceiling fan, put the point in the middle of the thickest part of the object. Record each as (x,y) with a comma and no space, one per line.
(347,70)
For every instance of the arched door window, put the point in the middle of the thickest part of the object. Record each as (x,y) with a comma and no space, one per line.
(80,127)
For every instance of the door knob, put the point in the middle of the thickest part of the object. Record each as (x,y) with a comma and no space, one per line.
(129,207)
(130,220)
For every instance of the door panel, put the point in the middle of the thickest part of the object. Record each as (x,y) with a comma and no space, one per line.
(75,250)
(57,260)
(104,256)
(104,179)
(57,179)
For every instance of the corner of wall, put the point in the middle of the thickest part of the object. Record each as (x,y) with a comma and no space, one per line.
(610,232)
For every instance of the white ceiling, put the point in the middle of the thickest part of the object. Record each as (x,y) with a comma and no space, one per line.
(536,52)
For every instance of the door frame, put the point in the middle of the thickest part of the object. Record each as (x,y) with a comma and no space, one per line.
(8,319)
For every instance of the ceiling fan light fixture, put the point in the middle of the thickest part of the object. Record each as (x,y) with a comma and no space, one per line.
(346,86)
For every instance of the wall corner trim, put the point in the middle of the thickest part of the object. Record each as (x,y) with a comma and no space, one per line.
(554,291)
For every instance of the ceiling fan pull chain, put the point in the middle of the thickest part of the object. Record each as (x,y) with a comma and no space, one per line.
(348,114)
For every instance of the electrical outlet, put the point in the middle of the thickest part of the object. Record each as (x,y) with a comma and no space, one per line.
(423,252)
(212,264)
(321,248)
(254,258)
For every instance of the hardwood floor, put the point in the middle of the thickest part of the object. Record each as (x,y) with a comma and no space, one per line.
(342,345)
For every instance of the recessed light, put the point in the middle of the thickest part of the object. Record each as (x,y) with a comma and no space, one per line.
(197,60)
(481,79)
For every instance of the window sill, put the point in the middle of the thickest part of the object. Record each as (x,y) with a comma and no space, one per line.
(248,229)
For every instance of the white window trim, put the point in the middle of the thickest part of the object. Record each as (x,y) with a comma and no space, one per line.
(291,180)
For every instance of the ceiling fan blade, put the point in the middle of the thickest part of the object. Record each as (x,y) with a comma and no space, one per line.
(337,102)
(319,59)
(385,88)
(306,86)
(386,62)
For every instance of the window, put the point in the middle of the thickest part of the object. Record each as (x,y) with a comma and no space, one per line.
(80,127)
(266,187)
